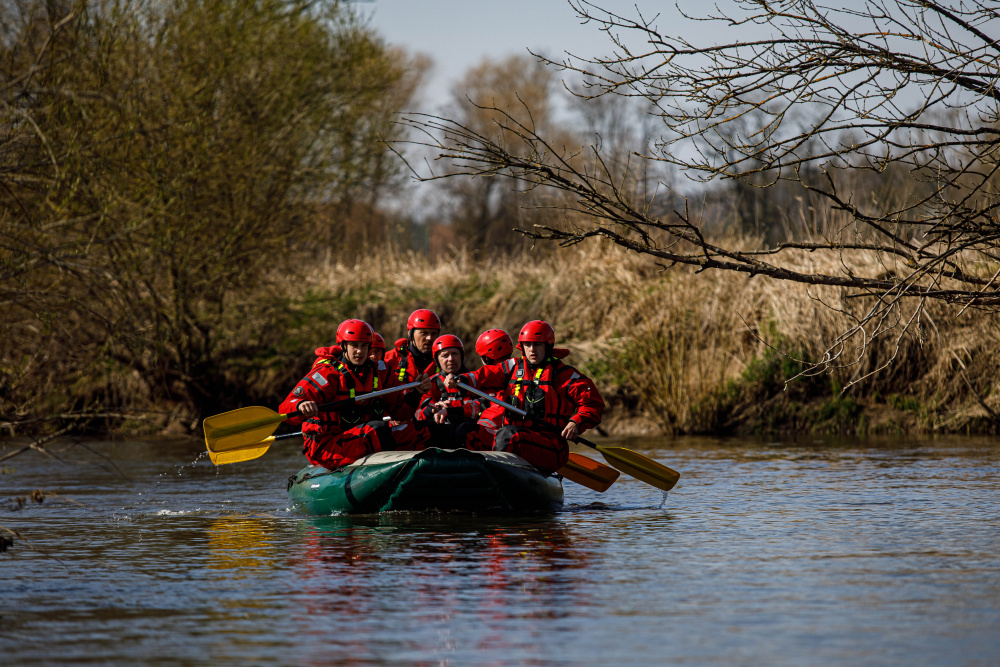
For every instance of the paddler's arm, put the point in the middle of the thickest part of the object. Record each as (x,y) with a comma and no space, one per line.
(428,406)
(414,396)
(582,391)
(304,392)
(487,378)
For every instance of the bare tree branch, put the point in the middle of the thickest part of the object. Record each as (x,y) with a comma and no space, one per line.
(832,102)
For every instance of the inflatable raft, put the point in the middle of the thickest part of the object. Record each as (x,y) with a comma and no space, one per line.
(433,479)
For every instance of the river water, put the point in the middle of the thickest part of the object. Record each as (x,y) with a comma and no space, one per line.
(772,553)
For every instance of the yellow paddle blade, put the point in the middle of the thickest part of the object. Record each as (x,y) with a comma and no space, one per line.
(641,467)
(588,472)
(237,429)
(246,453)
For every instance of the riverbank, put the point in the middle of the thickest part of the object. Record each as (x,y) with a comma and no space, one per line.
(683,352)
(672,351)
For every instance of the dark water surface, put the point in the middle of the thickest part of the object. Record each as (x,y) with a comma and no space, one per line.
(795,553)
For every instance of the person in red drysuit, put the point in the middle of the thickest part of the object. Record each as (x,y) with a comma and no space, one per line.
(453,411)
(377,352)
(411,358)
(549,391)
(494,346)
(337,438)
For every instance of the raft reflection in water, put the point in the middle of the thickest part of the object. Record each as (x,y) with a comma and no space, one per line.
(359,575)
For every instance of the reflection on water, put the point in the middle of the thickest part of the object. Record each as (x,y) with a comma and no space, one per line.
(240,545)
(809,552)
(451,571)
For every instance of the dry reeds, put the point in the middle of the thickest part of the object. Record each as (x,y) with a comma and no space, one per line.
(680,351)
(672,351)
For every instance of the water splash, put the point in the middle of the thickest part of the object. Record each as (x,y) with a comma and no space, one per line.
(179,469)
(663,502)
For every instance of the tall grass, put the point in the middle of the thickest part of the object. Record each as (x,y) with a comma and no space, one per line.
(683,352)
(672,351)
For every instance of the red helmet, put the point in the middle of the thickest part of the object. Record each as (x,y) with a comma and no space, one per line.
(423,319)
(537,331)
(494,344)
(378,343)
(447,340)
(355,331)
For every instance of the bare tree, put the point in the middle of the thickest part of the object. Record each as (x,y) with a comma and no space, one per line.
(901,87)
(483,211)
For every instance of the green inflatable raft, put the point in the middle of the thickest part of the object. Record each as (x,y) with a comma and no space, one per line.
(433,479)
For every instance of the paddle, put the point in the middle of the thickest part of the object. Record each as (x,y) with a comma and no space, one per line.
(246,428)
(641,467)
(580,469)
(248,452)
(587,472)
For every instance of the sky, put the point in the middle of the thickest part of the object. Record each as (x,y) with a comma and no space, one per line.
(458,34)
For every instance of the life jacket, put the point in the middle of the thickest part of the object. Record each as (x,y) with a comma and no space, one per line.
(540,391)
(554,392)
(324,355)
(407,366)
(491,379)
(369,377)
(456,398)
(508,364)
(447,394)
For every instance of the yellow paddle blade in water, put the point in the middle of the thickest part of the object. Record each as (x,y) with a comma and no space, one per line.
(588,472)
(241,428)
(641,467)
(247,453)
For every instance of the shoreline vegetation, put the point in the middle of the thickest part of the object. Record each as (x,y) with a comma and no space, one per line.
(680,352)
(673,352)
(188,211)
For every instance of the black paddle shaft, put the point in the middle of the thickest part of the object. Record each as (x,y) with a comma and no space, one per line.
(336,405)
(552,428)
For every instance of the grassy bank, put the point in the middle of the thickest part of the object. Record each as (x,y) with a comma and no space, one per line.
(672,351)
(682,352)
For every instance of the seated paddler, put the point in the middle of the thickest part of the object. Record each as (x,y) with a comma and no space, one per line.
(337,438)
(561,403)
(494,346)
(452,410)
(411,358)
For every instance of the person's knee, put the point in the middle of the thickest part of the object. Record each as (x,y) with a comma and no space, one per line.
(504,439)
(381,433)
(409,435)
(463,430)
